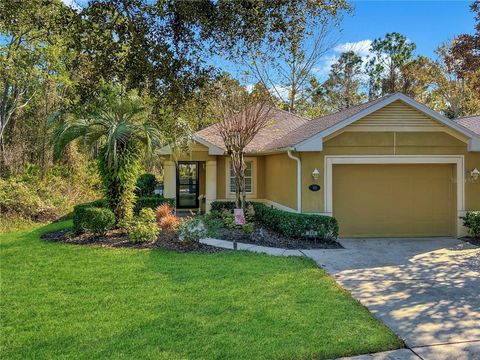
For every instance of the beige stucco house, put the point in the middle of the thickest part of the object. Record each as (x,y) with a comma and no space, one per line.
(387,168)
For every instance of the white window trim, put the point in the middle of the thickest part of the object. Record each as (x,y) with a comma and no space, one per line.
(458,160)
(250,195)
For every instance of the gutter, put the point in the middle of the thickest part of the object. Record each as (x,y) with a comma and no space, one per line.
(299,179)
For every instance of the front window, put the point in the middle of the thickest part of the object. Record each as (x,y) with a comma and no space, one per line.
(248,177)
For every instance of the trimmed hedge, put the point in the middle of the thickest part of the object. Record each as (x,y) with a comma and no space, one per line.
(471,221)
(151,202)
(298,226)
(96,219)
(223,205)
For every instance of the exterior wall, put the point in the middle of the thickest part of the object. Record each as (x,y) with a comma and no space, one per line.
(281,180)
(386,143)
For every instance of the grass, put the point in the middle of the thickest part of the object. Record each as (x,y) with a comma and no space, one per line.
(67,301)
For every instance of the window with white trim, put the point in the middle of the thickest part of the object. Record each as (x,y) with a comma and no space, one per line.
(248,177)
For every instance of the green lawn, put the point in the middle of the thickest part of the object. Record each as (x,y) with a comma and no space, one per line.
(67,301)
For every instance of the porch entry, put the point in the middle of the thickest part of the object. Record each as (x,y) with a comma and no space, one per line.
(188,189)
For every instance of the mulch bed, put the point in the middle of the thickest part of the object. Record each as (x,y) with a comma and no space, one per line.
(117,239)
(474,241)
(264,236)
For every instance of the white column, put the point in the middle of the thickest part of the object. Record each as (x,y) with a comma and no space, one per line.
(169,180)
(211,183)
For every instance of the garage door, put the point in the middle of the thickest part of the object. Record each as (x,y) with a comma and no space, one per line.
(394,200)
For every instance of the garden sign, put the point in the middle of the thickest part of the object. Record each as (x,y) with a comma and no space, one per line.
(239,216)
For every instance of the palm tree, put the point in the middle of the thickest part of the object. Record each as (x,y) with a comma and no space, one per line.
(122,132)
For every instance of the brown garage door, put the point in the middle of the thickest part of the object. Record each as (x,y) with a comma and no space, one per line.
(394,200)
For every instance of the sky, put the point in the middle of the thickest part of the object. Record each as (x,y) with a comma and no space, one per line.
(427,23)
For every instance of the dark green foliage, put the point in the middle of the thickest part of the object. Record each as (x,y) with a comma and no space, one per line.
(219,206)
(471,221)
(145,185)
(119,179)
(297,225)
(213,224)
(89,217)
(289,224)
(151,202)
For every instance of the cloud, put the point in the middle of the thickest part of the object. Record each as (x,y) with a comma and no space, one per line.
(72,3)
(326,63)
(362,47)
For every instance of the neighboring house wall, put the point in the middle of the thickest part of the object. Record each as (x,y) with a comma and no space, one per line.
(281,180)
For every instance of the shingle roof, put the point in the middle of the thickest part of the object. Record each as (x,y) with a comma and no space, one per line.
(281,123)
(470,122)
(313,127)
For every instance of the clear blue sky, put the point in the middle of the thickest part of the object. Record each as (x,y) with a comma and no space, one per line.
(427,23)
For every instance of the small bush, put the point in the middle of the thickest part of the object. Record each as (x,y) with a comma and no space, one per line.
(213,223)
(228,219)
(100,220)
(471,221)
(192,230)
(141,228)
(250,212)
(163,210)
(80,218)
(297,225)
(145,185)
(152,202)
(248,228)
(169,222)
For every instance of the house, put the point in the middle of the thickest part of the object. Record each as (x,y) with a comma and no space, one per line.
(388,168)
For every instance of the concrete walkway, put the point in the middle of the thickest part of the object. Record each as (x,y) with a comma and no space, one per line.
(425,290)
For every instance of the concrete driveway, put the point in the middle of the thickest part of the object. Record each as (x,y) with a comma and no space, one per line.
(426,290)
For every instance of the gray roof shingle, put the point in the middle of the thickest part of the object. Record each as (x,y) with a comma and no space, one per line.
(470,122)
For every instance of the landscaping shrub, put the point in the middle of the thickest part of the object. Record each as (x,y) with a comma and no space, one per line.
(248,228)
(95,219)
(163,210)
(192,230)
(145,185)
(297,225)
(142,227)
(471,221)
(169,222)
(152,202)
(228,219)
(219,206)
(213,224)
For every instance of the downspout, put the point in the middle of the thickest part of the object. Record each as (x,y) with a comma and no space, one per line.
(299,180)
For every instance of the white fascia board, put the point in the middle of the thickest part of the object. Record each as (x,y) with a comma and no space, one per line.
(212,149)
(315,142)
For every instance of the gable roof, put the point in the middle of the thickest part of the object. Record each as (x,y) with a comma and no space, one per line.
(317,125)
(470,122)
(280,124)
(290,131)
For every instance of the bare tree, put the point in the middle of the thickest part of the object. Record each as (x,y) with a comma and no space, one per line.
(286,70)
(241,116)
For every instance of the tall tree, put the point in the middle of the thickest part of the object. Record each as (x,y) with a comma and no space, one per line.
(284,65)
(124,131)
(344,80)
(33,57)
(451,94)
(464,53)
(384,68)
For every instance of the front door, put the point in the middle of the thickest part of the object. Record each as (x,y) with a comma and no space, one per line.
(187,185)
